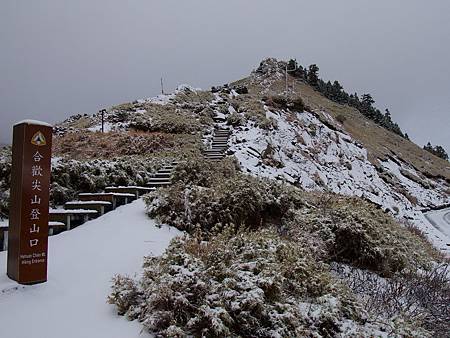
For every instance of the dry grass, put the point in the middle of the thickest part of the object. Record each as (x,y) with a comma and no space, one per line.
(82,122)
(199,97)
(86,145)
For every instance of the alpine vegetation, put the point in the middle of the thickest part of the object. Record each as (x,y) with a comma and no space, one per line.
(260,262)
(311,226)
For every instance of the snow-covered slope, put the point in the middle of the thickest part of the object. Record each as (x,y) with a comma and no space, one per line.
(310,154)
(312,150)
(72,303)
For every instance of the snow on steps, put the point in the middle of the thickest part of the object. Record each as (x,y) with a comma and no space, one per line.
(218,146)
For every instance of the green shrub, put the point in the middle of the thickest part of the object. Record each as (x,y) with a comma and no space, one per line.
(282,102)
(241,200)
(5,179)
(248,285)
(198,171)
(235,120)
(357,233)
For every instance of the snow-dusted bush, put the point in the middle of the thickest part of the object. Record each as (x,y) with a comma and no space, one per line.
(5,178)
(248,285)
(167,120)
(236,119)
(356,232)
(242,201)
(282,102)
(201,172)
(419,295)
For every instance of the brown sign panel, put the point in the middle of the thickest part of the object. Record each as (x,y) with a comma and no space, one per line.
(29,202)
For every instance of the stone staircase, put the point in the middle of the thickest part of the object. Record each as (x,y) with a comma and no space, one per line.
(163,177)
(219,145)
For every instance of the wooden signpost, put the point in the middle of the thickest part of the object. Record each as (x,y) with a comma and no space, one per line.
(29,206)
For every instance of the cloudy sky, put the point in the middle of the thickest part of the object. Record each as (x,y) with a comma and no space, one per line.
(58,57)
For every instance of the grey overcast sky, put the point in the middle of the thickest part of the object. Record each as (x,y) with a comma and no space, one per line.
(58,57)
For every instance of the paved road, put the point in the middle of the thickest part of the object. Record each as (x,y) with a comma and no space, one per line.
(447,217)
(440,219)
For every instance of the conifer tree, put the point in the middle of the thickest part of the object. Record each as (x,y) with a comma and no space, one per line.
(313,75)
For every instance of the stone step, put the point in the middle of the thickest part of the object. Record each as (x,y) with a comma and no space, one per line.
(158,184)
(162,171)
(213,154)
(166,175)
(136,190)
(55,228)
(159,179)
(214,157)
(71,217)
(100,206)
(115,198)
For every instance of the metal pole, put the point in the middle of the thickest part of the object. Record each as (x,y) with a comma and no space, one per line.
(162,86)
(103,120)
(286,78)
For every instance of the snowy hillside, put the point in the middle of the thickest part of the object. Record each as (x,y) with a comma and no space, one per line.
(81,265)
(312,150)
(309,154)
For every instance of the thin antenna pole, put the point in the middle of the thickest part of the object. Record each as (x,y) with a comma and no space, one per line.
(103,111)
(286,79)
(162,86)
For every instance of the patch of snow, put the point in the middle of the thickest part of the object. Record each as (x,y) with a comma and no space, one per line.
(108,126)
(440,219)
(72,211)
(35,122)
(88,202)
(72,303)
